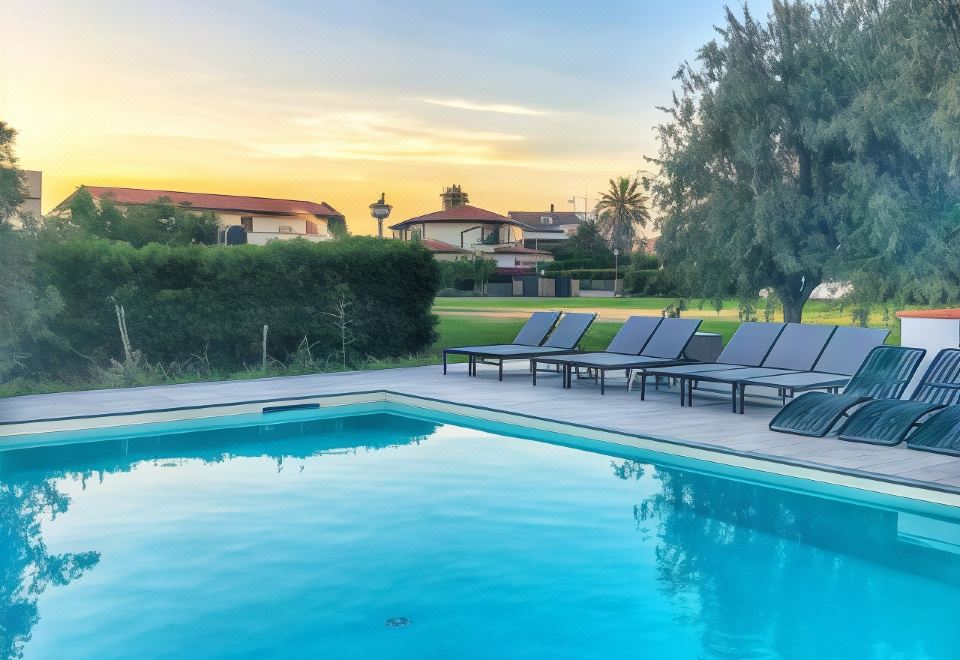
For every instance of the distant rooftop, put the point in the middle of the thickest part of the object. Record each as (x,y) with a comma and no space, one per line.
(210,201)
(464,213)
(442,247)
(538,219)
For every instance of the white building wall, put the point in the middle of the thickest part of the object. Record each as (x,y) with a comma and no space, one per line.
(449,232)
(267,227)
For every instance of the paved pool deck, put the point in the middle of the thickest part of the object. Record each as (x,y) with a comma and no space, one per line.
(709,424)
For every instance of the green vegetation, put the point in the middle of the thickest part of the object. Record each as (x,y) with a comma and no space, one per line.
(621,211)
(158,222)
(819,143)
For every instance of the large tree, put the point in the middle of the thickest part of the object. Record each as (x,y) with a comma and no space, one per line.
(786,159)
(12,185)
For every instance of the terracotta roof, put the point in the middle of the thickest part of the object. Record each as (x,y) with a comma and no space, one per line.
(440,246)
(214,202)
(929,314)
(464,213)
(518,249)
(559,217)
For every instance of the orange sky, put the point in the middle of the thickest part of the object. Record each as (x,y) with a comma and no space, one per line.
(338,102)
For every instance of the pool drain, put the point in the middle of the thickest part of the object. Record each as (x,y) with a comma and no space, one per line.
(398,622)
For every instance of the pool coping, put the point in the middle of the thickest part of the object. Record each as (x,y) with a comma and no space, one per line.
(912,489)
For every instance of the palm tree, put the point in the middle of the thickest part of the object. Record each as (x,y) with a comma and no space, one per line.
(620,210)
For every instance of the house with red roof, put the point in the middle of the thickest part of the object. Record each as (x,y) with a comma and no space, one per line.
(471,229)
(263,218)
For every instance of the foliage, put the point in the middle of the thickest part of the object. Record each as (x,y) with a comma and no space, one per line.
(337,226)
(12,185)
(587,246)
(467,274)
(621,210)
(647,282)
(588,273)
(804,148)
(160,221)
(184,301)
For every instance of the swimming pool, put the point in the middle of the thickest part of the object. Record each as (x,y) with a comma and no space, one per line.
(403,534)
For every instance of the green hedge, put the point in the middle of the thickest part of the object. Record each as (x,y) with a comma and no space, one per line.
(182,302)
(649,283)
(588,274)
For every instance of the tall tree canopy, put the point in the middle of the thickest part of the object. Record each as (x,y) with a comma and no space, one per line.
(12,185)
(622,209)
(803,147)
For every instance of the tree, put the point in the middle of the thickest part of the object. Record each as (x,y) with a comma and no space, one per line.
(789,156)
(12,185)
(160,221)
(621,210)
(587,247)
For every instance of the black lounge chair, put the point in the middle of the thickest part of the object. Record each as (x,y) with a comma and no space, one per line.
(797,348)
(564,339)
(665,347)
(845,352)
(887,421)
(629,341)
(748,347)
(533,333)
(884,374)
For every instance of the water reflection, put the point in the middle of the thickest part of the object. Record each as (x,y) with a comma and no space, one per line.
(765,570)
(29,494)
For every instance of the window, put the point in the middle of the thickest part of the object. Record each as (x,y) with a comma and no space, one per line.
(285,229)
(546,219)
(311,227)
(247,223)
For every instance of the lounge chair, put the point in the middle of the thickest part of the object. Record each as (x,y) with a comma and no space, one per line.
(665,347)
(884,374)
(533,333)
(748,347)
(845,352)
(629,341)
(564,339)
(887,421)
(940,433)
(797,348)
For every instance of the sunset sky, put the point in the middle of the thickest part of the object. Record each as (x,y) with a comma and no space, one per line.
(522,103)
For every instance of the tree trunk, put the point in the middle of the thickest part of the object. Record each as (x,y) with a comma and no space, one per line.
(794,296)
(792,311)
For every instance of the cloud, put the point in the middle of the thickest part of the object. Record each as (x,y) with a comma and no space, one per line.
(501,108)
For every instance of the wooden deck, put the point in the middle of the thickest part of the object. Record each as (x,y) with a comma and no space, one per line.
(709,424)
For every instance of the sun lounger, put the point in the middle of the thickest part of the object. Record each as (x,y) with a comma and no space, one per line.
(845,352)
(629,341)
(533,333)
(940,433)
(884,374)
(797,348)
(564,339)
(665,347)
(887,422)
(748,347)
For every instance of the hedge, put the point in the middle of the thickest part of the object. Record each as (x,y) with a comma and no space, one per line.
(589,274)
(649,282)
(182,302)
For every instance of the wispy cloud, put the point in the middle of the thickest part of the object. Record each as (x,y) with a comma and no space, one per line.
(501,108)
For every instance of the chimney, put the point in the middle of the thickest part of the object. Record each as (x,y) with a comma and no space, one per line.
(453,197)
(551,208)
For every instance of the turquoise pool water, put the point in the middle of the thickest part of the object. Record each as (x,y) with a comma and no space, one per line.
(388,536)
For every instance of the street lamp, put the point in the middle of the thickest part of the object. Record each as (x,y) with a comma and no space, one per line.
(616,270)
(380,210)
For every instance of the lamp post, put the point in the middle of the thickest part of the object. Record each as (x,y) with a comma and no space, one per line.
(616,270)
(380,210)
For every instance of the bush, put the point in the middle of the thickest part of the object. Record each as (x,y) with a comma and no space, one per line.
(588,274)
(189,301)
(649,283)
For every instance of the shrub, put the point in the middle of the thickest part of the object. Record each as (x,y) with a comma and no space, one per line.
(185,301)
(649,283)
(588,274)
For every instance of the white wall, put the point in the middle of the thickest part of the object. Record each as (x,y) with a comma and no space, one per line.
(449,232)
(266,227)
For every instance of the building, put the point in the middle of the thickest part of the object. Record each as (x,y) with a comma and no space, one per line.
(263,218)
(33,181)
(551,226)
(519,257)
(444,251)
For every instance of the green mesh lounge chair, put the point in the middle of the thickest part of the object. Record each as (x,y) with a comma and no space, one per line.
(533,333)
(665,347)
(887,422)
(748,347)
(564,339)
(940,433)
(884,374)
